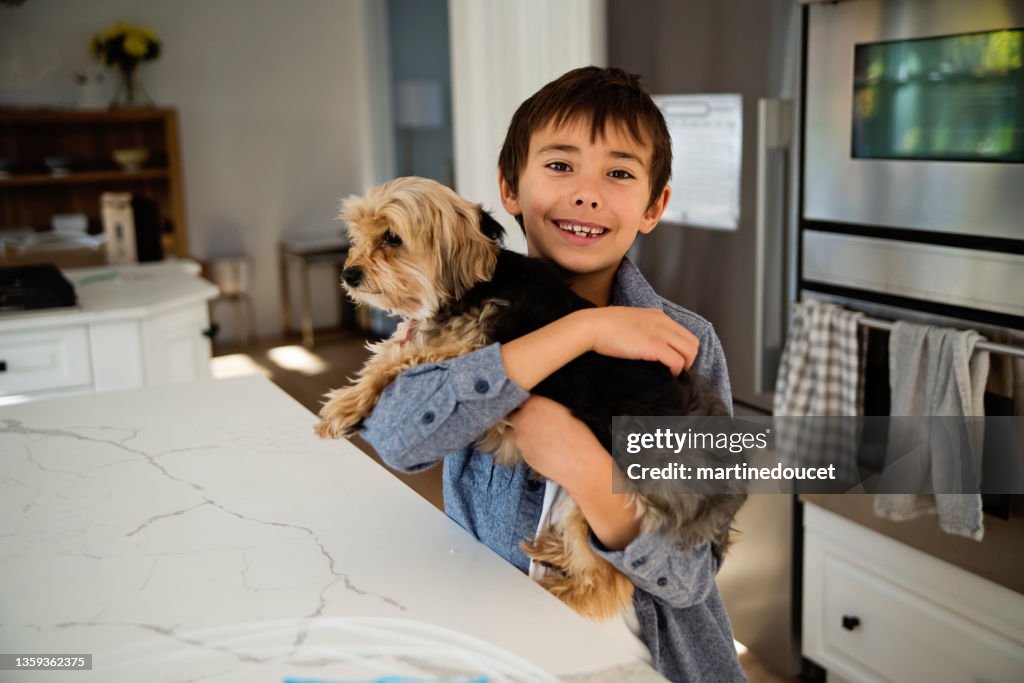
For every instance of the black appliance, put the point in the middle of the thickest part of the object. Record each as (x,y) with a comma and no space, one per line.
(25,288)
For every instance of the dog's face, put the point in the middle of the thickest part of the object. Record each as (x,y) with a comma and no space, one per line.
(415,246)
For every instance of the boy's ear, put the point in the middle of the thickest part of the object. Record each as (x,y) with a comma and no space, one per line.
(509,199)
(653,213)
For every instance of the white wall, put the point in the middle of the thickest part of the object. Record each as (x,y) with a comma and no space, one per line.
(274,102)
(503,52)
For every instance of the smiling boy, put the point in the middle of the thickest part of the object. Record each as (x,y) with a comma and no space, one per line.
(584,169)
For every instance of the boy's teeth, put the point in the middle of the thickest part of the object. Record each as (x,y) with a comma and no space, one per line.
(581,230)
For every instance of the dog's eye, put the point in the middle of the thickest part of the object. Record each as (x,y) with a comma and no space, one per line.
(391,239)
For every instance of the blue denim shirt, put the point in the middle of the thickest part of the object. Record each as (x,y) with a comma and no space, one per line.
(435,412)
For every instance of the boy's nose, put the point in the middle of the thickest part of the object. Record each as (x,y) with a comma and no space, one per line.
(580,201)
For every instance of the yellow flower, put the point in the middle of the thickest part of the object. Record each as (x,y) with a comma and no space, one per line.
(135,45)
(125,43)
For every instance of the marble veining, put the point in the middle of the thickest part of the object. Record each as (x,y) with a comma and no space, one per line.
(203,533)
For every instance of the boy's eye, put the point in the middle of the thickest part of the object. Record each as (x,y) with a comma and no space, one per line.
(559,166)
(619,173)
(391,239)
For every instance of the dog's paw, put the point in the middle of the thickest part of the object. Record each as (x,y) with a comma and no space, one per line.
(548,549)
(342,415)
(327,429)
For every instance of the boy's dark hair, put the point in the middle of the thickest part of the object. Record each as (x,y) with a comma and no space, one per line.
(602,95)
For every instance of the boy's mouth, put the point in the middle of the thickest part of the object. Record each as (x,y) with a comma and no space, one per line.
(581,229)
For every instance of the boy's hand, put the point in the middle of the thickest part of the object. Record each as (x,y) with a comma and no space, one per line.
(553,442)
(563,449)
(640,334)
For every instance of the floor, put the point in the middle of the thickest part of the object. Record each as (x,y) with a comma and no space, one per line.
(307,374)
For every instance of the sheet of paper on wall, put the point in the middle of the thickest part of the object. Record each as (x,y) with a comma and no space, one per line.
(707,144)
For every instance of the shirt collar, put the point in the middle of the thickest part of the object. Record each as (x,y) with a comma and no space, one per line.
(632,289)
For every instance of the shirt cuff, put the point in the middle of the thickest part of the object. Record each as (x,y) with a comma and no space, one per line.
(660,566)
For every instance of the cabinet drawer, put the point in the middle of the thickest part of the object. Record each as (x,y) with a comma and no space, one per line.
(878,610)
(899,636)
(53,358)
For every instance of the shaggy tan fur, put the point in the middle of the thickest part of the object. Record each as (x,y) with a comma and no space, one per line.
(441,255)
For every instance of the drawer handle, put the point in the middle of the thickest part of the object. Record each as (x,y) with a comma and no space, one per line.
(211,331)
(850,622)
(3,366)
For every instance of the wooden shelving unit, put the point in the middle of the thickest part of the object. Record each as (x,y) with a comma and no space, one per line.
(30,195)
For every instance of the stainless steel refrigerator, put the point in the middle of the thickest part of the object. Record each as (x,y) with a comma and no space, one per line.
(741,280)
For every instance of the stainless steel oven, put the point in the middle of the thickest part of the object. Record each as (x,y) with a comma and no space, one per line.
(914,155)
(913,202)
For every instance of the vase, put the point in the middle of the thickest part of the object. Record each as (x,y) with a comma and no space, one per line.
(130,94)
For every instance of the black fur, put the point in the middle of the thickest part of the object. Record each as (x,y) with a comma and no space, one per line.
(594,387)
(491,227)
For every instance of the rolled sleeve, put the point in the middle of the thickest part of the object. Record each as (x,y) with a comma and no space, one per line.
(654,563)
(433,409)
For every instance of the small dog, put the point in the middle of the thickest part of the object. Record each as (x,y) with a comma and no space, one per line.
(422,252)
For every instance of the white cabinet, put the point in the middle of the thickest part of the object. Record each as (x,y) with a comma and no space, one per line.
(135,326)
(877,610)
(102,356)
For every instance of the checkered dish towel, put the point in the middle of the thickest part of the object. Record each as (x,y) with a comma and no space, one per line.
(821,374)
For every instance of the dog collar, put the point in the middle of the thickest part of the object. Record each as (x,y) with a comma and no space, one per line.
(408,333)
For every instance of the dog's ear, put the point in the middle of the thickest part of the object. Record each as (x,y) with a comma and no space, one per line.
(465,248)
(354,210)
(490,227)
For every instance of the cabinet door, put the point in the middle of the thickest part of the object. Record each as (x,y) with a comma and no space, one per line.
(175,348)
(46,359)
(117,356)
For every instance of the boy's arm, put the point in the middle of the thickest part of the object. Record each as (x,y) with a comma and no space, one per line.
(710,365)
(654,562)
(546,433)
(563,449)
(438,408)
(617,331)
(434,409)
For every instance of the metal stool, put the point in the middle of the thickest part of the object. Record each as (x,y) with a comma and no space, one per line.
(305,252)
(233,275)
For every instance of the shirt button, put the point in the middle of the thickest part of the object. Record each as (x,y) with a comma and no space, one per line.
(639,562)
(427,417)
(482,386)
(662,581)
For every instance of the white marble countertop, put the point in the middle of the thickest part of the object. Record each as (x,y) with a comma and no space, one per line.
(120,292)
(201,532)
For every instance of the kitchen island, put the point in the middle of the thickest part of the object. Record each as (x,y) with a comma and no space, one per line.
(134,325)
(201,531)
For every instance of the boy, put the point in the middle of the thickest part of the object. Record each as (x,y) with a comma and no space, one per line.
(584,168)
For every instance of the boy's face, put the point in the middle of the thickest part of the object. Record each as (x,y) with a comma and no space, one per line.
(570,182)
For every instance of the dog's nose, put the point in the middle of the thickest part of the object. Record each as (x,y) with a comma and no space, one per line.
(352,276)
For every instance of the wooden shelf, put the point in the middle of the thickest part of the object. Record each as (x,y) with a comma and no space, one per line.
(25,115)
(28,136)
(84,177)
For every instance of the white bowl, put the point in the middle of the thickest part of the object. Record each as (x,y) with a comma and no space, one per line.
(131,159)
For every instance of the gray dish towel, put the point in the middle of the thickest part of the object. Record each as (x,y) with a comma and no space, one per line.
(821,375)
(936,371)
